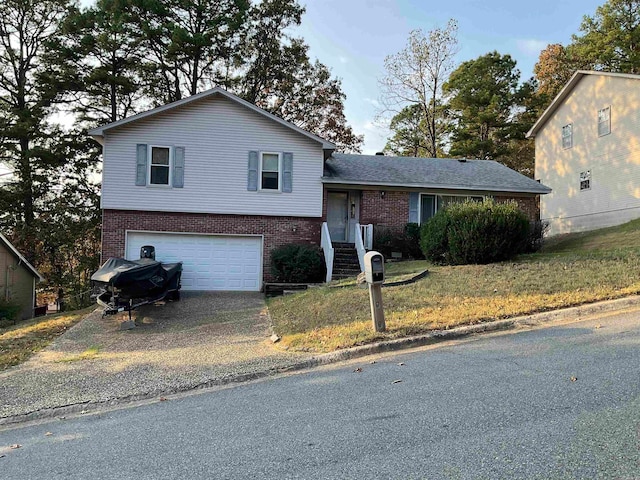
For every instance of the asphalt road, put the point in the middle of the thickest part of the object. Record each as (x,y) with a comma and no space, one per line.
(561,402)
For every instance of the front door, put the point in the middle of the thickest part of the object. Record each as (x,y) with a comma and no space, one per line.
(338,215)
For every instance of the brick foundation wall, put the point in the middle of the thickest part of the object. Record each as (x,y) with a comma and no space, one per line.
(390,211)
(277,231)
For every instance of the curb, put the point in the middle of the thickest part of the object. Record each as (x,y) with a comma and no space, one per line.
(435,336)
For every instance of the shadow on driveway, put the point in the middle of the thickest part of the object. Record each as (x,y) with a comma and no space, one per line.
(205,339)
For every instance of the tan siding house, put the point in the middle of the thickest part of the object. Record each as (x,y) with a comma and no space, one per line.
(587,147)
(17,279)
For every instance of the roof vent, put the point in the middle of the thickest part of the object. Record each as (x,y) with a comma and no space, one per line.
(380,153)
(462,160)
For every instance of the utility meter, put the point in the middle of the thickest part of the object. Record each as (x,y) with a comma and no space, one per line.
(374,267)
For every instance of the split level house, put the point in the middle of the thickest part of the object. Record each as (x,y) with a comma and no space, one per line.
(218,183)
(18,279)
(587,145)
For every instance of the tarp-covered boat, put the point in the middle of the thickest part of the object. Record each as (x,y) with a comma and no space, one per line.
(128,284)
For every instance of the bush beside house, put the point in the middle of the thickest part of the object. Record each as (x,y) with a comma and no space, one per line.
(476,233)
(298,263)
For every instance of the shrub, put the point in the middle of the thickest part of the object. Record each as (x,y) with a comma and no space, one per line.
(407,241)
(476,232)
(8,312)
(298,263)
(537,231)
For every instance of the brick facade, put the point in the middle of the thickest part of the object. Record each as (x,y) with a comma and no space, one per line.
(384,208)
(276,230)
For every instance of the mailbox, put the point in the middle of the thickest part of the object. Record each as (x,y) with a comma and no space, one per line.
(374,267)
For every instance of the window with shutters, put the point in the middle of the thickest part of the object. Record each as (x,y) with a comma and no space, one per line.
(160,161)
(270,171)
(430,204)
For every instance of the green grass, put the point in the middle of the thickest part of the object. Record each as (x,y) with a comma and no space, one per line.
(569,271)
(19,342)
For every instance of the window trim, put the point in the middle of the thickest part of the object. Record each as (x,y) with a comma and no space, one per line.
(169,183)
(280,172)
(608,132)
(435,204)
(570,136)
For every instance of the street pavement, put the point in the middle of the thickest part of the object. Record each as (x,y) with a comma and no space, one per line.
(549,403)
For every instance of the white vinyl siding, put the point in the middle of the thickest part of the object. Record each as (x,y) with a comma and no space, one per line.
(613,161)
(218,135)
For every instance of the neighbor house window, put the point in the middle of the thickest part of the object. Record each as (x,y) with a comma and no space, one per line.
(160,166)
(270,171)
(604,121)
(585,180)
(445,200)
(567,136)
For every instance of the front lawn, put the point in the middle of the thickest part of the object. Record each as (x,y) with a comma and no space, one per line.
(571,271)
(19,342)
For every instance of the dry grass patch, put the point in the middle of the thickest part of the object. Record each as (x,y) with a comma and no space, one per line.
(19,342)
(326,319)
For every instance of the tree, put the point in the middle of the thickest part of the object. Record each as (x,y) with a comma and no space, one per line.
(278,76)
(483,99)
(415,75)
(610,40)
(98,60)
(190,45)
(553,70)
(408,127)
(27,138)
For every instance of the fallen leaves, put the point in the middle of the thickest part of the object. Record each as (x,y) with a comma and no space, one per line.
(357,370)
(573,379)
(48,434)
(15,445)
(397,381)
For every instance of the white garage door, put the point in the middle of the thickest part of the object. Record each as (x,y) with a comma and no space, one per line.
(210,262)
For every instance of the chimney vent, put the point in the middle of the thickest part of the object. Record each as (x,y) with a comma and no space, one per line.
(380,153)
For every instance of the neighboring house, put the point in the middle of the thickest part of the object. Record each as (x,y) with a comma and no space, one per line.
(17,279)
(588,151)
(218,183)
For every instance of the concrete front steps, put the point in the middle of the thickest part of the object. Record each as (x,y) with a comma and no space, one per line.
(345,261)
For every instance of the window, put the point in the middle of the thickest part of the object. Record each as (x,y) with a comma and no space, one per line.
(567,136)
(604,121)
(160,166)
(430,204)
(585,180)
(270,171)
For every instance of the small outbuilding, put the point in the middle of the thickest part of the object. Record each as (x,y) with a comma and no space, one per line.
(17,279)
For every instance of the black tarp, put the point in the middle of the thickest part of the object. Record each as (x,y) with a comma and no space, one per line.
(138,278)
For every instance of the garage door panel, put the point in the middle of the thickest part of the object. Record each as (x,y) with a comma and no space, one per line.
(209,262)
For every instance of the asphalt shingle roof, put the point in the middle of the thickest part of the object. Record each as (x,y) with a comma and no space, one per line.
(442,173)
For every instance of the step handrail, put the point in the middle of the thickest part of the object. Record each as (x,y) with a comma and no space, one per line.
(327,248)
(359,243)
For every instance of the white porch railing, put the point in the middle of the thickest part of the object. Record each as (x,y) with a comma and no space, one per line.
(367,235)
(327,248)
(364,242)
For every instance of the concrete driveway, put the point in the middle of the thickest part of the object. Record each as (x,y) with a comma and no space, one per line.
(203,340)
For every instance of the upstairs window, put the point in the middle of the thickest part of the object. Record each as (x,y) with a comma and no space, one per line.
(604,121)
(567,136)
(270,171)
(160,166)
(585,180)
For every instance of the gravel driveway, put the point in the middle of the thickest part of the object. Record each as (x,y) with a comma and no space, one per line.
(205,339)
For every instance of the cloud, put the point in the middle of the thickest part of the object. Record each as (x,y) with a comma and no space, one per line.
(531,46)
(373,102)
(343,59)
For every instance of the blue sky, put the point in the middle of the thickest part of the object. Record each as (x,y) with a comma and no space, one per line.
(353,37)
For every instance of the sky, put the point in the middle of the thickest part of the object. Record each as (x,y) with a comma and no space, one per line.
(353,37)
